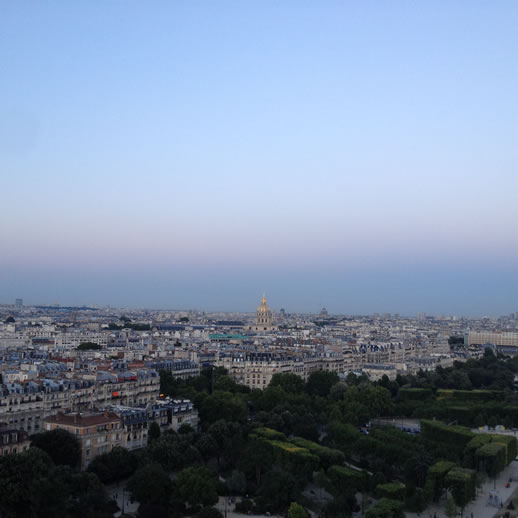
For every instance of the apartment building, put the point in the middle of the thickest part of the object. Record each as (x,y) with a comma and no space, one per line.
(24,405)
(97,433)
(13,441)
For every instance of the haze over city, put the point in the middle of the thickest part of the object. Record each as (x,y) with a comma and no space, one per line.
(197,155)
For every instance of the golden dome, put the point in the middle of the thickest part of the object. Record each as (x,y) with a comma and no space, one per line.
(263,308)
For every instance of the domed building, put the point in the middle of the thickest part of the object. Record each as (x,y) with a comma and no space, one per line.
(264,315)
(263,318)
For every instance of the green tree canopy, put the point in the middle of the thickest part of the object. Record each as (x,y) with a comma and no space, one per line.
(62,447)
(320,383)
(150,485)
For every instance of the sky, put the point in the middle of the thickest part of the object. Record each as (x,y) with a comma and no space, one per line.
(358,155)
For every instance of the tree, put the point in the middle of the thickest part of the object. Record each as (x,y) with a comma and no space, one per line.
(296,511)
(173,453)
(289,382)
(320,383)
(278,490)
(228,436)
(154,431)
(150,485)
(88,497)
(10,320)
(386,508)
(256,459)
(62,447)
(207,446)
(18,476)
(195,486)
(338,390)
(224,405)
(237,482)
(186,429)
(118,464)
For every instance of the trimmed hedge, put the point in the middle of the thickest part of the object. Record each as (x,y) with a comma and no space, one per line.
(327,456)
(461,482)
(343,478)
(510,444)
(386,508)
(435,479)
(414,394)
(493,456)
(477,395)
(392,490)
(295,459)
(268,433)
(453,439)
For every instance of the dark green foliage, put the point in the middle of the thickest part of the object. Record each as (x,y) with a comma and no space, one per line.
(224,405)
(342,436)
(116,465)
(278,490)
(296,511)
(461,483)
(510,444)
(172,453)
(346,480)
(435,481)
(294,459)
(19,475)
(256,459)
(290,383)
(392,490)
(236,483)
(451,439)
(491,457)
(228,437)
(207,446)
(327,456)
(267,433)
(62,447)
(30,485)
(150,485)
(194,486)
(386,508)
(415,394)
(320,383)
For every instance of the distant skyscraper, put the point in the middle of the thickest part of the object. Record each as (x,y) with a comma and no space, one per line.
(19,302)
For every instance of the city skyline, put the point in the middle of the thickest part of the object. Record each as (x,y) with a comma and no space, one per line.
(357,156)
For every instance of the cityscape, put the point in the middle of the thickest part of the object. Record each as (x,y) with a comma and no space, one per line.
(258,259)
(101,374)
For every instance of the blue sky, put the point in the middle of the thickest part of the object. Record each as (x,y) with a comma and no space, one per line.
(358,155)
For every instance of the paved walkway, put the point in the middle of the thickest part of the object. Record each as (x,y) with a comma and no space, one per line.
(122,498)
(480,507)
(230,509)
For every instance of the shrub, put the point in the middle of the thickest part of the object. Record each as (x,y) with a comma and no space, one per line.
(392,490)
